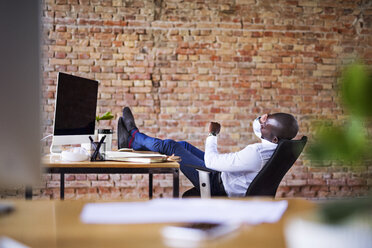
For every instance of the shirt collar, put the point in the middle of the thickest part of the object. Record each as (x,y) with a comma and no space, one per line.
(266,142)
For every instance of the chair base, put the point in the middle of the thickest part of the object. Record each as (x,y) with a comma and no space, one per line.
(193,192)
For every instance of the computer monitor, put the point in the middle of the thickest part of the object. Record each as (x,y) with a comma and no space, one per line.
(75,110)
(20,85)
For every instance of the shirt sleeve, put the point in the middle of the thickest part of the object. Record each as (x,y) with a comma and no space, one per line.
(247,159)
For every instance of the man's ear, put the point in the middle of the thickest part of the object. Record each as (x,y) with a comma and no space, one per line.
(275,140)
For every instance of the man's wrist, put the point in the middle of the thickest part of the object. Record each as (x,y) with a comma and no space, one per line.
(212,134)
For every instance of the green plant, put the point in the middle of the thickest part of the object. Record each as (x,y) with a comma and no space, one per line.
(348,142)
(105,116)
(336,212)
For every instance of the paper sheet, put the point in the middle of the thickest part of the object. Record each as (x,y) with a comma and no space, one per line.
(115,154)
(6,242)
(183,210)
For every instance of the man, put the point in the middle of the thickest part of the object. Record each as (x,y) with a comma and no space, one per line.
(234,171)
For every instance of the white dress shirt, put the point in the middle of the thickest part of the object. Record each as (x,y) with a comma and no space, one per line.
(238,169)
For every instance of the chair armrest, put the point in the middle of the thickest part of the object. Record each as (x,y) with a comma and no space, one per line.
(201,168)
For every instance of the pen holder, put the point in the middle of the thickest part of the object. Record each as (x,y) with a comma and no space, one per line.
(97,151)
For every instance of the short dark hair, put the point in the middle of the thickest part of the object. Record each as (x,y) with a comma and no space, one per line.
(289,126)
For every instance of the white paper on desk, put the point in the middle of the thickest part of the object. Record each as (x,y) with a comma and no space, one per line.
(183,210)
(115,154)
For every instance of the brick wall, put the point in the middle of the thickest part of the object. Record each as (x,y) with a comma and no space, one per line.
(180,64)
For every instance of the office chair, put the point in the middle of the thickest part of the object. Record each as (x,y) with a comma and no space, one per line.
(267,180)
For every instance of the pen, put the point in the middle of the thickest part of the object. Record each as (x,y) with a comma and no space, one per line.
(96,152)
(99,147)
(92,142)
(94,146)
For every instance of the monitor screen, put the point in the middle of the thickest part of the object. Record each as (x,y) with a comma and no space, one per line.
(75,105)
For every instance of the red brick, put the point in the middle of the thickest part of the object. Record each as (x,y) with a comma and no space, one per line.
(296,182)
(60,55)
(356,181)
(336,182)
(69,177)
(77,184)
(102,184)
(81,177)
(316,182)
(84,56)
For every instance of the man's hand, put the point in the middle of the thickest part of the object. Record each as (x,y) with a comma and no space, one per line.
(214,128)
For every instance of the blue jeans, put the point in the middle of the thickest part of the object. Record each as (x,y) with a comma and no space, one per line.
(189,155)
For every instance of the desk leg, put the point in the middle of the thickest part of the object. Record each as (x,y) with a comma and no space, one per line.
(176,183)
(150,185)
(62,189)
(28,193)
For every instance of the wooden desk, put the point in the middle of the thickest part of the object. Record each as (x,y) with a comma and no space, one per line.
(53,164)
(56,223)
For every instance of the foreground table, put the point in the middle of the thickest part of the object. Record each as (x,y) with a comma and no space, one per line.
(56,224)
(55,165)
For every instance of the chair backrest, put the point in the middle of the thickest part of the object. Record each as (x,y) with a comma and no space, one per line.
(268,179)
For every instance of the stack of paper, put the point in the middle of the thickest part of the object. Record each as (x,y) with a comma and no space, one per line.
(135,157)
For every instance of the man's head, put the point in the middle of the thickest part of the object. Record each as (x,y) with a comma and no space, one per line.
(275,127)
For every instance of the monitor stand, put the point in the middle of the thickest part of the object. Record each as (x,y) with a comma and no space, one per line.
(55,148)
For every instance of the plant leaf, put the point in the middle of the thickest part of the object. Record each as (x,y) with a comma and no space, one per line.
(356,90)
(105,116)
